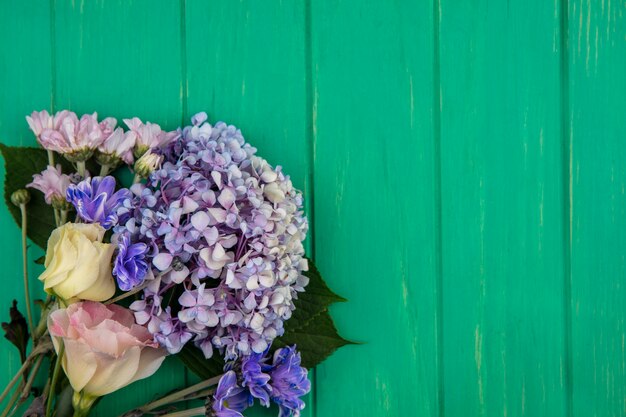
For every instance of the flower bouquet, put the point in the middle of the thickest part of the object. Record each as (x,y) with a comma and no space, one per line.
(186,243)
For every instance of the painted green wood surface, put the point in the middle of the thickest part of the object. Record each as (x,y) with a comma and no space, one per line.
(464,166)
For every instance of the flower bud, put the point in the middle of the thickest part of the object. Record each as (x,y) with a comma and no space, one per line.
(19,197)
(147,164)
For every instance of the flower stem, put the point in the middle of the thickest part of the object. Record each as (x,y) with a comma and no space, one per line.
(136,289)
(12,401)
(63,217)
(128,294)
(57,220)
(29,313)
(136,179)
(15,378)
(80,167)
(104,170)
(199,411)
(50,158)
(180,394)
(55,378)
(31,379)
(40,349)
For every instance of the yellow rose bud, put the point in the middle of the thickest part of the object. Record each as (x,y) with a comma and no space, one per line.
(78,264)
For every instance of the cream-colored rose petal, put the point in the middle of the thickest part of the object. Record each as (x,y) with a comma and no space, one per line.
(61,262)
(91,278)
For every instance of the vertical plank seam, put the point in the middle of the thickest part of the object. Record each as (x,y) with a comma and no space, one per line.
(53,59)
(438,205)
(310,138)
(184,94)
(183,61)
(567,192)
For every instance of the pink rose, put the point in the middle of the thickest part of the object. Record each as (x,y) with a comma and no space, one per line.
(105,349)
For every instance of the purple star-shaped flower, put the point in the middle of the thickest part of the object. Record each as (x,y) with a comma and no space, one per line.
(96,200)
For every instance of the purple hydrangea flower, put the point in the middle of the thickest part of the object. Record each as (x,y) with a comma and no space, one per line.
(130,266)
(225,229)
(96,200)
(288,381)
(230,399)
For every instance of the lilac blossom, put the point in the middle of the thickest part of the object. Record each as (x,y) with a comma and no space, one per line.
(96,200)
(227,227)
(53,184)
(130,266)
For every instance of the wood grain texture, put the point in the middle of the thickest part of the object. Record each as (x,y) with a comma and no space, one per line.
(375,203)
(114,57)
(463,164)
(25,86)
(502,205)
(597,169)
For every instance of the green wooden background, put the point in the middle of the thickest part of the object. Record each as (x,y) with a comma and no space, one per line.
(463,161)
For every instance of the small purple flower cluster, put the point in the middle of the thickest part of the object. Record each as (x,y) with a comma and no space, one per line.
(222,231)
(283,382)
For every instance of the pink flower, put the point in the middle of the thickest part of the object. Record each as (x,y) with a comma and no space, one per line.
(89,134)
(61,137)
(149,135)
(76,139)
(107,126)
(52,183)
(38,121)
(119,144)
(105,349)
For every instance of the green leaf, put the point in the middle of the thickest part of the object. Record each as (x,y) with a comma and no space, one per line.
(318,289)
(21,163)
(194,360)
(316,338)
(310,327)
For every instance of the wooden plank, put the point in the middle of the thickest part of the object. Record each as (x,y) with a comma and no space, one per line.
(597,87)
(502,204)
(246,65)
(25,83)
(375,177)
(122,59)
